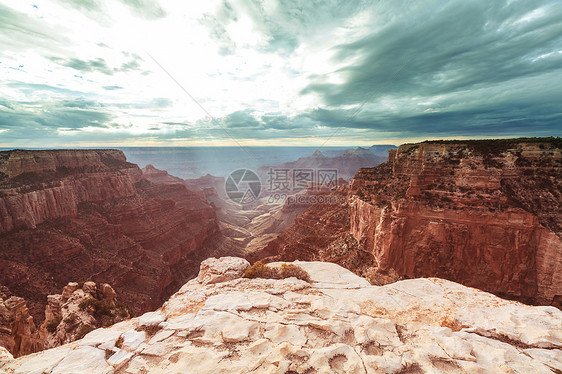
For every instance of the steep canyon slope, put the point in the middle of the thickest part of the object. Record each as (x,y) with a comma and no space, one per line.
(486,214)
(77,215)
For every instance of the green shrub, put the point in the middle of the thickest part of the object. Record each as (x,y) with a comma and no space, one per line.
(52,325)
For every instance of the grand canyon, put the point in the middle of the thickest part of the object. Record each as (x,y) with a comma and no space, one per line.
(281,187)
(81,225)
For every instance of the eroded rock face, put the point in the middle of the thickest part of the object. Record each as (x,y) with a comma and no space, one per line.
(18,335)
(89,214)
(486,214)
(78,310)
(337,323)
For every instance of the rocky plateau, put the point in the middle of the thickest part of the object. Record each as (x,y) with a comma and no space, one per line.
(338,322)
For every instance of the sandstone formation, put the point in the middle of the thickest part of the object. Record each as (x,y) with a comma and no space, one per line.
(78,310)
(337,323)
(77,215)
(484,213)
(18,334)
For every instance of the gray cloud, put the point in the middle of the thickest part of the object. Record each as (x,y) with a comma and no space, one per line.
(25,121)
(148,9)
(99,65)
(459,45)
(478,64)
(225,44)
(284,28)
(426,68)
(30,88)
(18,32)
(161,102)
(242,118)
(79,103)
(95,8)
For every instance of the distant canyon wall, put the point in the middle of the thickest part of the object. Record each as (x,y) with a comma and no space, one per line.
(483,213)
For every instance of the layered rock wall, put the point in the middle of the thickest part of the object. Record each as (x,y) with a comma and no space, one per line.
(459,220)
(90,215)
(483,213)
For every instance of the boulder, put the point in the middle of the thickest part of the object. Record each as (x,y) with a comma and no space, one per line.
(215,270)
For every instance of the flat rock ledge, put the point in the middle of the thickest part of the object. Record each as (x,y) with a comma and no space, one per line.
(337,323)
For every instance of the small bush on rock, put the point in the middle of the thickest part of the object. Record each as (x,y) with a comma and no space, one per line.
(53,324)
(98,308)
(290,270)
(261,270)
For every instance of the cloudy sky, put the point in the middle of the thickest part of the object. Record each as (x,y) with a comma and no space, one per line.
(278,72)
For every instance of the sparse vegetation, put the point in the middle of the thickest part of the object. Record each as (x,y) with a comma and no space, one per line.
(452,323)
(52,325)
(71,319)
(497,146)
(98,308)
(290,270)
(119,342)
(261,270)
(83,330)
(380,277)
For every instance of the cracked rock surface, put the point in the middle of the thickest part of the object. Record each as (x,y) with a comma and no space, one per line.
(337,323)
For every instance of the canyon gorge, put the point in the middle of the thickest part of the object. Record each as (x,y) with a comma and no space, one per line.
(81,215)
(482,213)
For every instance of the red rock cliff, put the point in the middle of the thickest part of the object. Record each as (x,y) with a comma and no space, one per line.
(89,215)
(483,213)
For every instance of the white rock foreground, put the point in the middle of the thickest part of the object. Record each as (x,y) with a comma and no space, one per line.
(338,323)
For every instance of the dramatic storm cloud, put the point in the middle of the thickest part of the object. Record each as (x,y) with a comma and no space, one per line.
(298,72)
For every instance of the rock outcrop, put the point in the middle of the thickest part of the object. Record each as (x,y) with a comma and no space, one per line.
(78,310)
(18,334)
(484,213)
(337,323)
(69,215)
